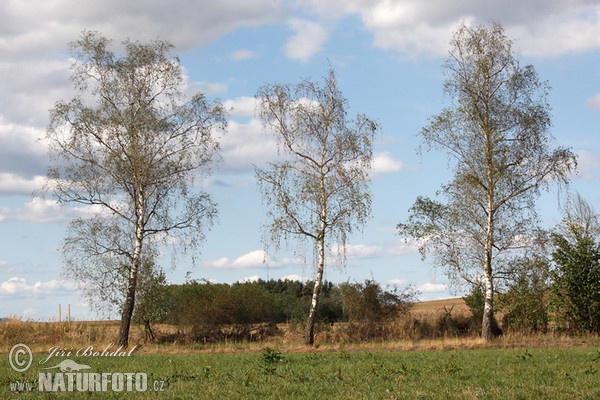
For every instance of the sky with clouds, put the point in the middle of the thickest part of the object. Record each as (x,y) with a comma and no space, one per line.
(388,56)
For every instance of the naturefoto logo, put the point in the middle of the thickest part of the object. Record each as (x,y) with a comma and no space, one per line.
(70,376)
(69,366)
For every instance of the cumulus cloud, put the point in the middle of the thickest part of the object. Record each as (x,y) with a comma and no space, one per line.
(295,277)
(402,247)
(416,28)
(384,162)
(308,40)
(430,287)
(22,153)
(35,36)
(38,210)
(252,259)
(14,184)
(244,106)
(19,287)
(363,251)
(249,260)
(36,26)
(45,211)
(247,143)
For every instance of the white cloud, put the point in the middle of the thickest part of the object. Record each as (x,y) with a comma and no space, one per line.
(14,184)
(222,262)
(363,251)
(45,211)
(19,287)
(384,163)
(22,152)
(370,251)
(417,28)
(402,247)
(252,259)
(246,143)
(33,87)
(244,106)
(35,35)
(308,40)
(38,210)
(209,88)
(295,277)
(430,287)
(36,26)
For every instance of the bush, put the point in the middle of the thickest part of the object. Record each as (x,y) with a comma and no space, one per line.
(525,304)
(576,288)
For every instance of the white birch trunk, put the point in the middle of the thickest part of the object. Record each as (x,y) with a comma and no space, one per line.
(488,309)
(310,325)
(133,276)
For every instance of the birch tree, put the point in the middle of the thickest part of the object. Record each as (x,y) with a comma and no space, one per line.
(319,188)
(130,145)
(496,134)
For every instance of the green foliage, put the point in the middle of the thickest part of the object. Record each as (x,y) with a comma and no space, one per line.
(526,302)
(240,311)
(268,360)
(576,288)
(368,302)
(475,301)
(152,303)
(271,356)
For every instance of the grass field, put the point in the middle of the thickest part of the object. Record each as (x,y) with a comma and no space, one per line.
(556,373)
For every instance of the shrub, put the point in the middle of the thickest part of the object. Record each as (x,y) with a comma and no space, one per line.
(525,304)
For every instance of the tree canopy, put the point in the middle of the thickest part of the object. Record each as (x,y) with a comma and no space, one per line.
(130,145)
(496,132)
(319,187)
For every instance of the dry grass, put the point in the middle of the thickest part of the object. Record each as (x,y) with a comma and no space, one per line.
(431,325)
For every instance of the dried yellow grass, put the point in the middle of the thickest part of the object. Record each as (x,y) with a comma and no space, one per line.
(41,336)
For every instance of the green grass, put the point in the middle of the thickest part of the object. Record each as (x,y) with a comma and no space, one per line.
(560,373)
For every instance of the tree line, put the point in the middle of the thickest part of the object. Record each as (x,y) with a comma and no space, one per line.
(131,144)
(207,312)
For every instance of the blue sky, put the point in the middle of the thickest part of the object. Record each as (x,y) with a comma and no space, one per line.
(388,57)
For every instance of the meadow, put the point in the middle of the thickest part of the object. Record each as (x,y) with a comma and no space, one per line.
(490,373)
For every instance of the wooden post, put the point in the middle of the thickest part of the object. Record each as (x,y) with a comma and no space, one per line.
(69,316)
(59,316)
